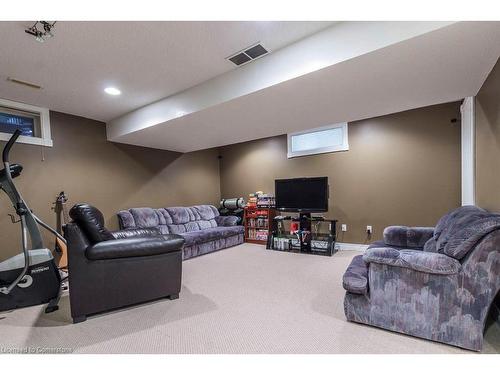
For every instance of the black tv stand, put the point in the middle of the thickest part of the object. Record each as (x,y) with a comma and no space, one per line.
(304,241)
(305,226)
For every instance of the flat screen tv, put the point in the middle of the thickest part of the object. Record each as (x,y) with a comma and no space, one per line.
(302,194)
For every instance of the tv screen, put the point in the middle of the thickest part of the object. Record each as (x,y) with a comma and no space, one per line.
(302,194)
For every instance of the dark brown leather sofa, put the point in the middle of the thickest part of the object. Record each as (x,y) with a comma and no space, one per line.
(109,270)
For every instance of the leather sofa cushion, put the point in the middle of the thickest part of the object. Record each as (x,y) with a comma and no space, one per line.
(355,279)
(211,234)
(91,220)
(134,247)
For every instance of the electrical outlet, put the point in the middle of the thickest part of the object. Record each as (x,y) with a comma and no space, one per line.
(344,227)
(369,229)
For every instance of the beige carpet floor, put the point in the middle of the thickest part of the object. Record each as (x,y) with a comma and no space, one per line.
(240,300)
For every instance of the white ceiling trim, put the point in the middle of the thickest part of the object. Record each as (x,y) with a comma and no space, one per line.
(341,42)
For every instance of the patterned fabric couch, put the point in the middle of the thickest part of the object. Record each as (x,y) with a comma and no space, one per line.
(201,226)
(436,283)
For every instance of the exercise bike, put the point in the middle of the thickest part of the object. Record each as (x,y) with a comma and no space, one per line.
(32,277)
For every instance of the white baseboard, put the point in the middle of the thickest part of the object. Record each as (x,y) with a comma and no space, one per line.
(351,246)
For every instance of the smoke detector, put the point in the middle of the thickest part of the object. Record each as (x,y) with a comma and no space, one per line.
(248,54)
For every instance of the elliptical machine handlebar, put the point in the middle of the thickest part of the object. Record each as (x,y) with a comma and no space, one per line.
(30,281)
(8,146)
(21,209)
(18,202)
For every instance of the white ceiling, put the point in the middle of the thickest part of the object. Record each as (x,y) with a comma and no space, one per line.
(353,70)
(146,60)
(443,65)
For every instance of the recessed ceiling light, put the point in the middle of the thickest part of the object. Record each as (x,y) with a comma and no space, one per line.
(112,91)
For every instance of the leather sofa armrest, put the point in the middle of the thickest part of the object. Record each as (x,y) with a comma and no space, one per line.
(134,247)
(135,233)
(227,221)
(408,237)
(433,263)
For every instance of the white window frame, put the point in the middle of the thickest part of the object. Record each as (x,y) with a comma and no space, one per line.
(320,150)
(45,139)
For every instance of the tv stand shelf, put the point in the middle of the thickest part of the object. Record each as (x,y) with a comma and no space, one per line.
(304,240)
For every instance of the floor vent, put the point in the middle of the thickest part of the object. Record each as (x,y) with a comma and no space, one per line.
(248,54)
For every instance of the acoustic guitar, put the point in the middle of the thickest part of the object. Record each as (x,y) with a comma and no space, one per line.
(61,250)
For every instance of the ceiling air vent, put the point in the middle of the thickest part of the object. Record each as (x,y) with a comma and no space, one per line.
(248,54)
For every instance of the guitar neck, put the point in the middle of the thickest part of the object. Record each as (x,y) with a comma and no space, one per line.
(58,223)
(66,218)
(61,210)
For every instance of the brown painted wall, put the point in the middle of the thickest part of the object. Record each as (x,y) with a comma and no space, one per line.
(402,168)
(109,175)
(488,142)
(398,171)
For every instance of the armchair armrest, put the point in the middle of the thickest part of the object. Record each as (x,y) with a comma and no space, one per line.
(433,263)
(135,233)
(227,221)
(408,237)
(134,247)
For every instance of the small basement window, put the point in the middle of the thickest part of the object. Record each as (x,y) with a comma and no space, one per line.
(330,138)
(33,122)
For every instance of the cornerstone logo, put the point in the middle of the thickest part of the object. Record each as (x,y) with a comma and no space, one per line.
(35,350)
